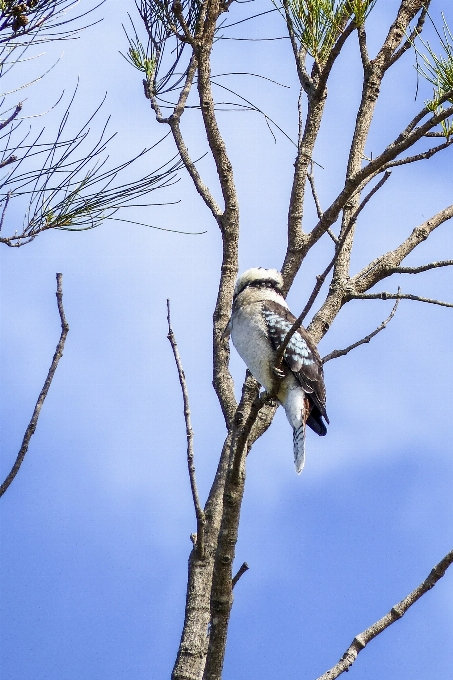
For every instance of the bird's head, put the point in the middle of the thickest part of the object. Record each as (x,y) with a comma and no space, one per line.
(258,277)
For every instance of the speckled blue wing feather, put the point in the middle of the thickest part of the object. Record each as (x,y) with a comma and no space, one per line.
(301,357)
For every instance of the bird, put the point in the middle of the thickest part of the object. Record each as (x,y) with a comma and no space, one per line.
(259,323)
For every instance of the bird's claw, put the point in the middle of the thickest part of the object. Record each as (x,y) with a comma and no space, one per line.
(279,373)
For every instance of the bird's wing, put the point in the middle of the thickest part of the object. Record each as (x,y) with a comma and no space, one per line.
(301,355)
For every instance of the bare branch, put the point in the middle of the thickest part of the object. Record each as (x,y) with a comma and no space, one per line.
(189,433)
(422,268)
(370,195)
(398,296)
(185,91)
(384,265)
(314,294)
(335,52)
(404,141)
(317,94)
(8,161)
(322,277)
(396,612)
(407,11)
(374,73)
(311,179)
(363,49)
(192,649)
(221,591)
(5,206)
(417,30)
(380,268)
(425,155)
(29,432)
(14,115)
(299,54)
(177,9)
(243,430)
(174,122)
(342,352)
(192,170)
(243,568)
(421,131)
(228,222)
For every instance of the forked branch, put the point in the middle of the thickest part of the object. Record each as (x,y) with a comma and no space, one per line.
(189,433)
(29,432)
(322,277)
(314,294)
(396,612)
(389,263)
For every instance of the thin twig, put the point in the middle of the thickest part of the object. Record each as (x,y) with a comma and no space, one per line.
(425,155)
(243,568)
(396,612)
(8,161)
(319,212)
(189,432)
(14,115)
(370,195)
(342,352)
(422,268)
(29,432)
(397,296)
(322,277)
(174,122)
(299,55)
(7,200)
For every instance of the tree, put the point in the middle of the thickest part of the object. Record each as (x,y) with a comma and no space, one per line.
(318,32)
(321,253)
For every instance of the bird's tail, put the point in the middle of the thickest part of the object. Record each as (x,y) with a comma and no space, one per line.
(299,447)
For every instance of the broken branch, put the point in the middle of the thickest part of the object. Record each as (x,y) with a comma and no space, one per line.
(243,568)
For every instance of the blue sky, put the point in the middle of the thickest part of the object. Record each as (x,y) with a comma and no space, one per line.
(95,528)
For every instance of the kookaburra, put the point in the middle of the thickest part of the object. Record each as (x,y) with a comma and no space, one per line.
(258,325)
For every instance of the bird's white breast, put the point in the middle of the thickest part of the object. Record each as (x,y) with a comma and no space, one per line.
(249,335)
